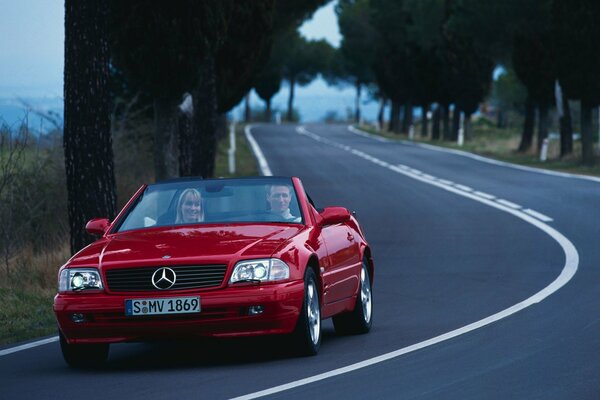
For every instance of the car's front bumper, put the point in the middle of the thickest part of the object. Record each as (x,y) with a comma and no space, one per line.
(224,312)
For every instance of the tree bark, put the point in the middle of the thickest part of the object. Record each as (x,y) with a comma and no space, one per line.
(395,117)
(165,143)
(357,103)
(587,146)
(87,138)
(566,129)
(424,121)
(204,143)
(542,125)
(527,135)
(184,135)
(407,119)
(435,128)
(446,118)
(268,110)
(455,123)
(380,116)
(468,127)
(290,110)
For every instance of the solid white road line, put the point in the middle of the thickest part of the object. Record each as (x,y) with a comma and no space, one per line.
(481,158)
(538,215)
(568,271)
(28,346)
(260,157)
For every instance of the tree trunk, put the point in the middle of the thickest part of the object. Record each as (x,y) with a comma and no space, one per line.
(468,127)
(268,110)
(290,110)
(446,119)
(527,135)
(87,139)
(380,116)
(542,125)
(587,145)
(455,123)
(165,143)
(357,103)
(408,117)
(566,129)
(395,117)
(424,121)
(435,128)
(204,143)
(501,121)
(184,135)
(247,109)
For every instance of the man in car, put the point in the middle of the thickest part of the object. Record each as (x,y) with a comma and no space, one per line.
(279,197)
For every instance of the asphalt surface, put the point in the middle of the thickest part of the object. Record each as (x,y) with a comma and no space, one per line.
(443,261)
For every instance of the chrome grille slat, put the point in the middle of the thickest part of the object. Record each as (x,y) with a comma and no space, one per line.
(188,277)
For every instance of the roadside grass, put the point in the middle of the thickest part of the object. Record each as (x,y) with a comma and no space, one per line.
(27,294)
(245,163)
(502,144)
(28,289)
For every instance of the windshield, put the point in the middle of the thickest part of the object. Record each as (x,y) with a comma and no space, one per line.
(214,201)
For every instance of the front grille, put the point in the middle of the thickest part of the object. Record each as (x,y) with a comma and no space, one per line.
(188,277)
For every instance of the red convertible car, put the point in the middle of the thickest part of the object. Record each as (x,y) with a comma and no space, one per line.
(216,257)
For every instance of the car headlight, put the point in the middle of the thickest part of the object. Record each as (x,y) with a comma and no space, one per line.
(76,279)
(268,269)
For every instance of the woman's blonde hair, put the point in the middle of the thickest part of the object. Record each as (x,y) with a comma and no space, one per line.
(196,194)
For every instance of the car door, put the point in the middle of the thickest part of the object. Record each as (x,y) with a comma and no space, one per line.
(340,278)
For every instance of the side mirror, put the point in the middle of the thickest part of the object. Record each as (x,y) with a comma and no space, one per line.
(97,226)
(334,215)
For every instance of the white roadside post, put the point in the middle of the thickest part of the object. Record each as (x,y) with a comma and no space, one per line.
(544,151)
(231,151)
(461,130)
(278,118)
(411,132)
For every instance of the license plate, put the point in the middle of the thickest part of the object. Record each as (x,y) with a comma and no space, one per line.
(167,305)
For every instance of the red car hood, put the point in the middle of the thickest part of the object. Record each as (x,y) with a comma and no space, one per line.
(216,244)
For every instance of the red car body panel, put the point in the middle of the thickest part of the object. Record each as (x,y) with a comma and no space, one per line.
(335,251)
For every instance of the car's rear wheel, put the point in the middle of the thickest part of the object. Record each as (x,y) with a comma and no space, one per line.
(360,319)
(308,328)
(83,355)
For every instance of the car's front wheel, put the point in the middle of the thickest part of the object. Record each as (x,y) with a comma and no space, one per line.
(83,355)
(360,319)
(308,328)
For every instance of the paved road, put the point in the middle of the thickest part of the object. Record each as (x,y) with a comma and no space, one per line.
(452,246)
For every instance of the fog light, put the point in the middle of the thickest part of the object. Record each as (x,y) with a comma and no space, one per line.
(255,310)
(77,318)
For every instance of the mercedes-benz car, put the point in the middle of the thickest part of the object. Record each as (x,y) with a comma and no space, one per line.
(215,257)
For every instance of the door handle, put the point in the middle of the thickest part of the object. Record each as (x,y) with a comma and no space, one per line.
(350,237)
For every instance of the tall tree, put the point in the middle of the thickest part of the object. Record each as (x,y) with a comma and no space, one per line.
(577,41)
(304,60)
(87,137)
(356,53)
(168,49)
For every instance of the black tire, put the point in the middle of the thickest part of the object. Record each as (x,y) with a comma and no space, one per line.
(359,320)
(83,355)
(307,335)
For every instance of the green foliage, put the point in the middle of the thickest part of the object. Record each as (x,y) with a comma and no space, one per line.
(577,42)
(244,51)
(160,45)
(508,92)
(304,59)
